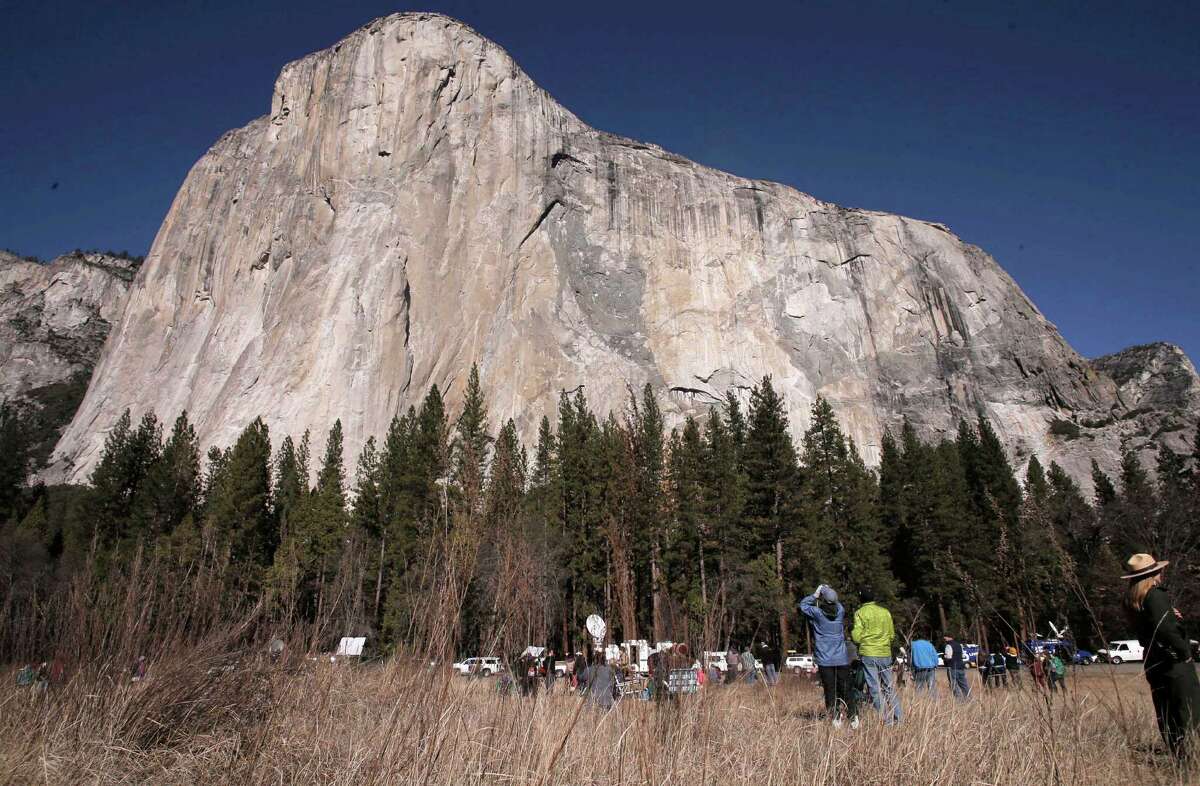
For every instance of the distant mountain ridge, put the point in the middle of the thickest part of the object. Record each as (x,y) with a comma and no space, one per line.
(414,203)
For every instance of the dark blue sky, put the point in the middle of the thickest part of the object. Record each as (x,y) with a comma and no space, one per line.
(1064,141)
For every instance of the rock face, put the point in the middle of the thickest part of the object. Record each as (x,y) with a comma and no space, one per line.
(414,203)
(1160,393)
(54,319)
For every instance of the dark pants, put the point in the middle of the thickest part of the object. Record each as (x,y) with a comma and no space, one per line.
(839,693)
(1176,695)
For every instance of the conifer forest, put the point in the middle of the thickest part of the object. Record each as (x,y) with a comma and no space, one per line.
(450,530)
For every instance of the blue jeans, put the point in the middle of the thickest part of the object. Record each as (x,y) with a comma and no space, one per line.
(925,681)
(883,689)
(958,683)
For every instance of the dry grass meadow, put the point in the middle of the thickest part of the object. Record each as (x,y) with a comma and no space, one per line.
(302,721)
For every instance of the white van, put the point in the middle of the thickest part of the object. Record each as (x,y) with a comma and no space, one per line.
(1122,651)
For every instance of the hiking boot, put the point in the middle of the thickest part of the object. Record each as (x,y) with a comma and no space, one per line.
(854,723)
(837,723)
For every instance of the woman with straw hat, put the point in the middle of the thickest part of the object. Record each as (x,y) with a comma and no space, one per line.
(1174,687)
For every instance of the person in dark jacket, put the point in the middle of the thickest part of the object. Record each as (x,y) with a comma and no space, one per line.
(998,669)
(1012,665)
(732,661)
(1168,666)
(827,618)
(956,669)
(548,665)
(600,682)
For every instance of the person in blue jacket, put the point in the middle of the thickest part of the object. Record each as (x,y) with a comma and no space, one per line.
(827,620)
(924,665)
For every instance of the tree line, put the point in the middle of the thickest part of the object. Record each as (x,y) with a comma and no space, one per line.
(450,529)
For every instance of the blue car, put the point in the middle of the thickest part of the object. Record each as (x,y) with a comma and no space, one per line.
(1083,658)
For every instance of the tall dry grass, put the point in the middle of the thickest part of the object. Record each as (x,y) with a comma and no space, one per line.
(304,721)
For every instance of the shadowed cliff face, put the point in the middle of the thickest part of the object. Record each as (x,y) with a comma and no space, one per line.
(414,203)
(54,319)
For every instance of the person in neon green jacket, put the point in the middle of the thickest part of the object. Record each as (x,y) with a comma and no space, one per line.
(874,633)
(873,629)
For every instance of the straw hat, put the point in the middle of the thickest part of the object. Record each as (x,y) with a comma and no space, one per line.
(1142,565)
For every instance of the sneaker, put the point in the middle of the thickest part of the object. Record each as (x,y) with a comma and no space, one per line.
(837,723)
(854,723)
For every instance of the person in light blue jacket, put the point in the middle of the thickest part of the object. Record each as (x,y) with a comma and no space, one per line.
(827,619)
(924,664)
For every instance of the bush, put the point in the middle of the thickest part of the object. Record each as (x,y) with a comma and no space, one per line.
(1064,428)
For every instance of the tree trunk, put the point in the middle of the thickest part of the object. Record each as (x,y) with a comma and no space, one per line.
(379,578)
(784,638)
(656,594)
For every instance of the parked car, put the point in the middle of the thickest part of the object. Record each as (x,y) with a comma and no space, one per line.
(714,658)
(1083,658)
(484,667)
(800,664)
(1121,651)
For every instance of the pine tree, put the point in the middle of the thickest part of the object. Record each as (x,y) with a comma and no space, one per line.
(773,479)
(1133,520)
(685,557)
(543,504)
(1177,522)
(14,462)
(726,537)
(238,504)
(505,597)
(645,429)
(367,515)
(1092,573)
(126,460)
(846,545)
(1106,492)
(1039,573)
(580,455)
(415,496)
(949,552)
(171,489)
(429,463)
(471,444)
(291,477)
(892,491)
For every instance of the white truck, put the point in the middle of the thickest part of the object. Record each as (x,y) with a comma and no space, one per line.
(636,653)
(800,664)
(1122,650)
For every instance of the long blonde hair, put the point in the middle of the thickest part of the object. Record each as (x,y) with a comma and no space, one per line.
(1138,590)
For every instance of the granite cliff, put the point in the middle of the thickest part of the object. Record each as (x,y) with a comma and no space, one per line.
(414,203)
(54,319)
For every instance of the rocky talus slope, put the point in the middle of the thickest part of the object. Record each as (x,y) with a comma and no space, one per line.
(54,319)
(414,203)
